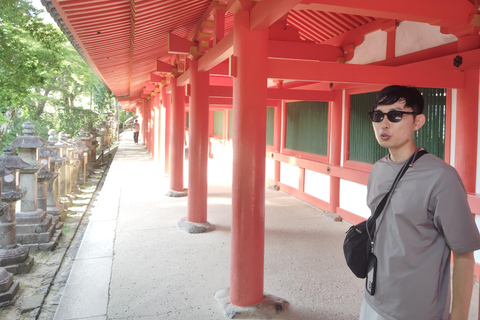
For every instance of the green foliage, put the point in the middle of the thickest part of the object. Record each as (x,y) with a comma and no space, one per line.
(71,120)
(29,50)
(43,78)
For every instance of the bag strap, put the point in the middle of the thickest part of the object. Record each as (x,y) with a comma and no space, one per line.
(420,152)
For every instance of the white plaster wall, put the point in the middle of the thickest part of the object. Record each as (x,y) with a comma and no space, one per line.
(270,168)
(289,175)
(353,198)
(317,185)
(373,48)
(477,253)
(453,126)
(416,36)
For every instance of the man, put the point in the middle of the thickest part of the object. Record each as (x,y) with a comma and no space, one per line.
(136,131)
(425,219)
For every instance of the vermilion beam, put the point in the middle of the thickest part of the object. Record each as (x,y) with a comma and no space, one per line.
(222,51)
(178,45)
(367,74)
(266,12)
(303,51)
(437,12)
(164,67)
(279,94)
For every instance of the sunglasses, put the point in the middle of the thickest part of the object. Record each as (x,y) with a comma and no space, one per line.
(393,115)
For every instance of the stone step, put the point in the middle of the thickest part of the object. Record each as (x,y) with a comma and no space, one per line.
(30,217)
(36,238)
(21,268)
(49,246)
(42,227)
(6,297)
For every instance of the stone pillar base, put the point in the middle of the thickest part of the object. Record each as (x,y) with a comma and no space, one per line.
(16,260)
(274,187)
(175,194)
(267,309)
(58,211)
(195,227)
(8,288)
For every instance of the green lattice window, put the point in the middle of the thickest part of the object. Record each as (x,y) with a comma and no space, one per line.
(270,125)
(307,127)
(218,123)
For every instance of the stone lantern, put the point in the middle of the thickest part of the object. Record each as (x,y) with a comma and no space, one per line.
(60,148)
(47,177)
(13,258)
(34,227)
(102,133)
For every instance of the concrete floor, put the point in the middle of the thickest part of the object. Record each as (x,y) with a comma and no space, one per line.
(135,263)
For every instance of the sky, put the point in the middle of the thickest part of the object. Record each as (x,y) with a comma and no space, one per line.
(45,15)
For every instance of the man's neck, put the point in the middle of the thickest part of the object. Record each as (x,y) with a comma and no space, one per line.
(403,154)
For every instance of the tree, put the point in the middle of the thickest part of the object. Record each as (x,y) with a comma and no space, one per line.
(29,49)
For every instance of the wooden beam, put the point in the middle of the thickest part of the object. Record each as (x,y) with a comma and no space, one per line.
(156,78)
(303,51)
(367,74)
(278,94)
(164,67)
(178,45)
(266,12)
(219,53)
(436,12)
(304,95)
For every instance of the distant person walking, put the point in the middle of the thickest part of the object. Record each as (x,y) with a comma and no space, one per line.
(136,131)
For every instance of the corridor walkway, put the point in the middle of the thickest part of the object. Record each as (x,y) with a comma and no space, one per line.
(135,263)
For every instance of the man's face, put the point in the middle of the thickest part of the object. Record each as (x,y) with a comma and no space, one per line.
(397,136)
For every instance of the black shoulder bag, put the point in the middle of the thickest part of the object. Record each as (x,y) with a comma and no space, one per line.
(358,243)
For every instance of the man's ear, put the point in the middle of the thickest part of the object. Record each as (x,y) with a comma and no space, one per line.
(419,121)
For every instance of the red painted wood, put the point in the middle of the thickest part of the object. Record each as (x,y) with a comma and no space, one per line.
(466,130)
(350,217)
(267,12)
(177,136)
(366,74)
(448,126)
(335,147)
(248,185)
(167,106)
(198,146)
(436,12)
(277,133)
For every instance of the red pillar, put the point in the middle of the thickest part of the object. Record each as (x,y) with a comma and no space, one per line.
(277,133)
(157,124)
(143,129)
(249,141)
(198,146)
(177,134)
(466,130)
(335,151)
(167,106)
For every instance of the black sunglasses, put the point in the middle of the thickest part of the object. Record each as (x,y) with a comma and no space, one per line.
(393,115)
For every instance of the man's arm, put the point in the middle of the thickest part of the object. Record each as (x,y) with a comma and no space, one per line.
(463,265)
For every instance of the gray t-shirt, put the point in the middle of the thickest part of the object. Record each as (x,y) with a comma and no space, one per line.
(428,214)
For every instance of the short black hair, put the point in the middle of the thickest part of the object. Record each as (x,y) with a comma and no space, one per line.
(392,94)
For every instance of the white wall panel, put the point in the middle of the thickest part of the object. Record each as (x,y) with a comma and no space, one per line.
(353,198)
(373,48)
(289,175)
(270,168)
(416,36)
(317,185)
